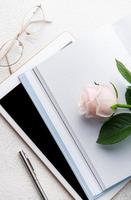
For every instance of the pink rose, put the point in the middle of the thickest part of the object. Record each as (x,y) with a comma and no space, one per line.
(96,101)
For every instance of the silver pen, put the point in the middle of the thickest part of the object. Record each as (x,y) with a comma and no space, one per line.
(33,174)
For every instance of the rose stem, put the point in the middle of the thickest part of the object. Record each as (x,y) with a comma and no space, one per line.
(115,106)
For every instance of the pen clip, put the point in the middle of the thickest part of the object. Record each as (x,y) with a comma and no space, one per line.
(30,164)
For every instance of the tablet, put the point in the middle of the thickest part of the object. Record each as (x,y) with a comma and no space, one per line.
(21,113)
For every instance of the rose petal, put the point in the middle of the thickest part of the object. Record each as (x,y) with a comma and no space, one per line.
(92,92)
(103,110)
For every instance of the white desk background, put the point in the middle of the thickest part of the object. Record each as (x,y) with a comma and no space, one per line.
(77,17)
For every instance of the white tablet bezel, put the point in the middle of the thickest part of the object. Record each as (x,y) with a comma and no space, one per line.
(10,83)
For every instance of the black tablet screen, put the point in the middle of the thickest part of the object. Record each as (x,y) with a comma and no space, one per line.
(20,107)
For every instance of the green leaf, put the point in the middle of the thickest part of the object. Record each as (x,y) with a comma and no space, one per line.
(124,71)
(115,129)
(128,95)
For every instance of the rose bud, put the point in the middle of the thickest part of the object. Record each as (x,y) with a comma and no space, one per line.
(96,100)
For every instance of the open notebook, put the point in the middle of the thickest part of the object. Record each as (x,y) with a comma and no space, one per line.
(55,87)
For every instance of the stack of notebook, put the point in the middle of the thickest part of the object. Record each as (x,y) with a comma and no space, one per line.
(55,87)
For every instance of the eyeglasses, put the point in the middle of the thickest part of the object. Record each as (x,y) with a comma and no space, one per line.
(12,50)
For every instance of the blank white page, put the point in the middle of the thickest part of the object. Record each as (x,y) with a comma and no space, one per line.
(67,73)
(123,29)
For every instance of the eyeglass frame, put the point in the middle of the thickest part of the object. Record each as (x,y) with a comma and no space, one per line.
(23,30)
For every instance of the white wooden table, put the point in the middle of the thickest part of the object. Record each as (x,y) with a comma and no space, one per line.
(77,17)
